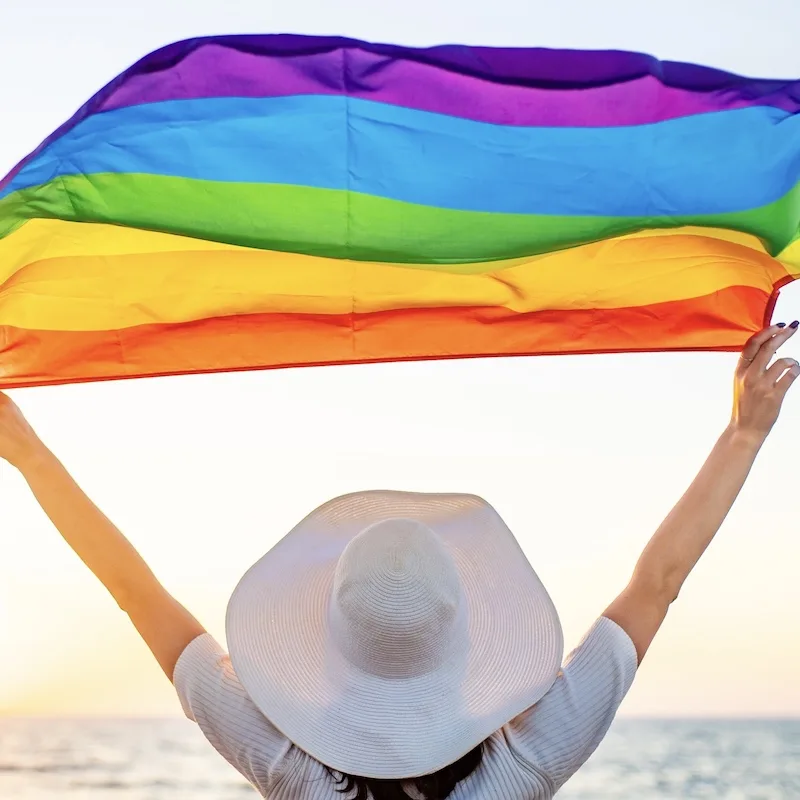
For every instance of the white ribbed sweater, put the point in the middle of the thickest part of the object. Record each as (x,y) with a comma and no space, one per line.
(530,758)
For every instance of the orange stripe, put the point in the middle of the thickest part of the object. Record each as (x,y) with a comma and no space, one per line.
(720,321)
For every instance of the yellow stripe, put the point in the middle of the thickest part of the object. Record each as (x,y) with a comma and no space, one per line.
(790,258)
(42,239)
(137,277)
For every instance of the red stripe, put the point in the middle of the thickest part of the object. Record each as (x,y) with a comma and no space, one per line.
(721,321)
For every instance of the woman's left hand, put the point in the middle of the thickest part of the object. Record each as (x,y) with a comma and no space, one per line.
(761,386)
(18,440)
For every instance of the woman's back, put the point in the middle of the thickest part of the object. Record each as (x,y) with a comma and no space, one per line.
(531,757)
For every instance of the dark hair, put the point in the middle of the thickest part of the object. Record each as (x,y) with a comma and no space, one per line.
(436,786)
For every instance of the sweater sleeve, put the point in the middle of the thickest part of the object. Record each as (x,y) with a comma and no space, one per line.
(564,728)
(212,696)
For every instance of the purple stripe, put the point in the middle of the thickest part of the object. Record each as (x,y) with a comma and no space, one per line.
(505,86)
(216,71)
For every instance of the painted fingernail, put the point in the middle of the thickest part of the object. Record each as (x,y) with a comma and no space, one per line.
(781,324)
(795,323)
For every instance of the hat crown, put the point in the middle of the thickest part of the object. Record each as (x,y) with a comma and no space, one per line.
(397,604)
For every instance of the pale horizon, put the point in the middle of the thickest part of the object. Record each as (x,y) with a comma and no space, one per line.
(582,455)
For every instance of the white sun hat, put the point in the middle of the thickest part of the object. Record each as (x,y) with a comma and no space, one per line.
(390,633)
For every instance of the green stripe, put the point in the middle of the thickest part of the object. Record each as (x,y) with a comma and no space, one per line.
(314,221)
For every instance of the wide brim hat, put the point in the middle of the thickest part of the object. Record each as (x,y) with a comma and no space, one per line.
(333,680)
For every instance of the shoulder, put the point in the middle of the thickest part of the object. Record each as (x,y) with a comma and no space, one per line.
(565,727)
(212,696)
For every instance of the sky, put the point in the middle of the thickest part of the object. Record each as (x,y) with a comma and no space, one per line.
(582,455)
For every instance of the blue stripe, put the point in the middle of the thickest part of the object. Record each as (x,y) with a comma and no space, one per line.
(711,163)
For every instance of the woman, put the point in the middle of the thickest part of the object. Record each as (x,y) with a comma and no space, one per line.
(399,645)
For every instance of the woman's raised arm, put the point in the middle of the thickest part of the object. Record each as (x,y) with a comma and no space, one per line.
(165,625)
(685,534)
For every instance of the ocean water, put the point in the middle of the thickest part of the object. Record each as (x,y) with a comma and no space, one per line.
(170,760)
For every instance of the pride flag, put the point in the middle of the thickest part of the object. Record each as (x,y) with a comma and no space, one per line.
(248,202)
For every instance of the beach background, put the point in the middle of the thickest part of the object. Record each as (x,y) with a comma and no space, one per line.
(583,456)
(168,759)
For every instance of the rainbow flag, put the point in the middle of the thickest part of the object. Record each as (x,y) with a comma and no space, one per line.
(247,202)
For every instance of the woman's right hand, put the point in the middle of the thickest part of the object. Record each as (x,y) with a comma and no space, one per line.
(18,442)
(759,388)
